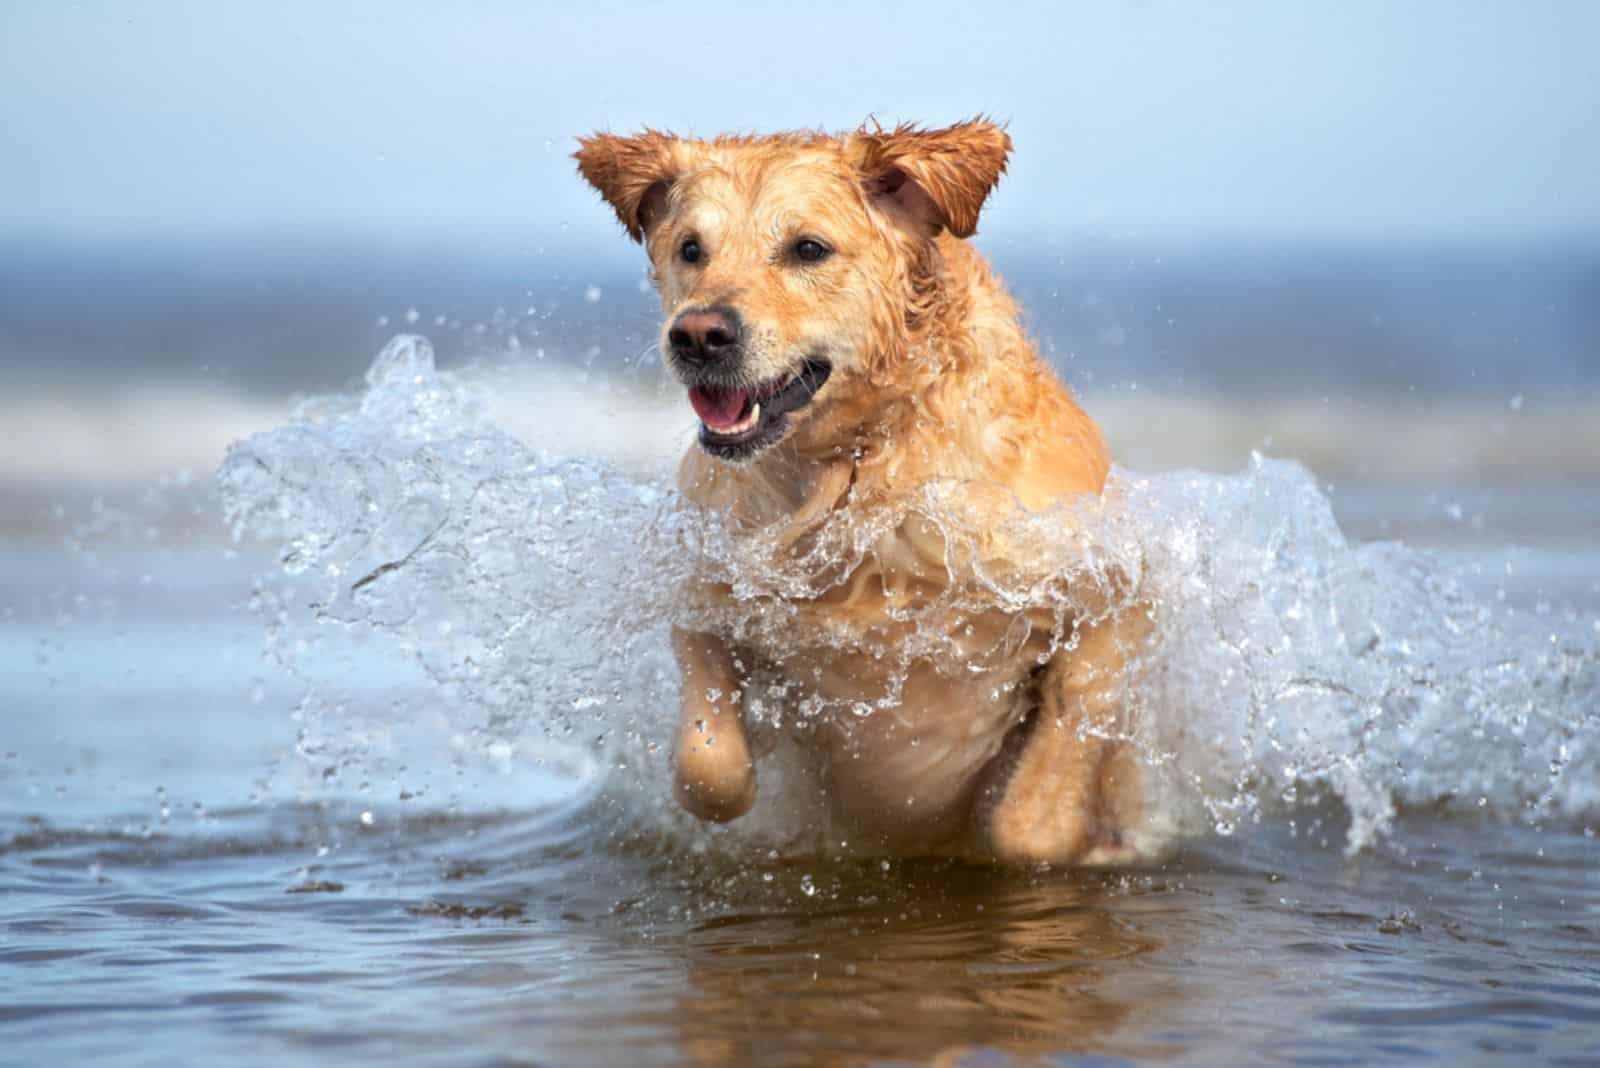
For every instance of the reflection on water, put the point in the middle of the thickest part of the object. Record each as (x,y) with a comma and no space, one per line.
(455,937)
(928,966)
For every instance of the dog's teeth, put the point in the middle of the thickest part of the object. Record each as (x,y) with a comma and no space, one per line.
(755,413)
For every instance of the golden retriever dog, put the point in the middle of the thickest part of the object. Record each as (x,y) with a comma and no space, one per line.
(845,349)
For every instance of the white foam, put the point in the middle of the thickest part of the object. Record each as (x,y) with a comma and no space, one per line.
(100,434)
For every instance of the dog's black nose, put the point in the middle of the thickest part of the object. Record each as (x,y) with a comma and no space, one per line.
(705,335)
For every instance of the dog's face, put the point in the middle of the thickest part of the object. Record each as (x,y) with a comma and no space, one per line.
(789,265)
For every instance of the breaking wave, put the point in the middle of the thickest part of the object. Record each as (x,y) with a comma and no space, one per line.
(536,592)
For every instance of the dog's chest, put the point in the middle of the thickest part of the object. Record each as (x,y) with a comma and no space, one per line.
(896,604)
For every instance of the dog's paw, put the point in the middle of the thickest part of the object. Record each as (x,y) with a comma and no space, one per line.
(1111,851)
(1017,834)
(713,782)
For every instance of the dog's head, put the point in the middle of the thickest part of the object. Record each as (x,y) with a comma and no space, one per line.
(789,264)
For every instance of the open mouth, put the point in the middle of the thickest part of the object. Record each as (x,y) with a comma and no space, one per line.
(737,423)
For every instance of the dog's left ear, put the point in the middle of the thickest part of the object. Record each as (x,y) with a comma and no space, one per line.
(939,178)
(632,174)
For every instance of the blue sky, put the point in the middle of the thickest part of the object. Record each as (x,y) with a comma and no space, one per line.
(1259,118)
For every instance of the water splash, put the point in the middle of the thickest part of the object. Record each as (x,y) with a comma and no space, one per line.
(536,591)
(1292,661)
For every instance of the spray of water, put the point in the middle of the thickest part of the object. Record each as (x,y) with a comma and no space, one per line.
(536,592)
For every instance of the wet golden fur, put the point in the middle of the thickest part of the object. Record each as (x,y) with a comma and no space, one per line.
(933,381)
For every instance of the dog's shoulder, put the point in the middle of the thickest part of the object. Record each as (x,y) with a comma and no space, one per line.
(1003,415)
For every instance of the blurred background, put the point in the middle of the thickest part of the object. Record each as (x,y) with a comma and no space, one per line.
(1364,235)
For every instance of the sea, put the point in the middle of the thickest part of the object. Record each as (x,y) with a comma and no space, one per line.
(335,694)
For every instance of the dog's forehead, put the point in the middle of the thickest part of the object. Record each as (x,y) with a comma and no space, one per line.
(764,180)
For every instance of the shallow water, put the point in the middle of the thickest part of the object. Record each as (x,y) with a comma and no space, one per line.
(425,825)
(510,923)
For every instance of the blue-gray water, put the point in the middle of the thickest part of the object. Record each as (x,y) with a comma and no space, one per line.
(243,820)
(287,312)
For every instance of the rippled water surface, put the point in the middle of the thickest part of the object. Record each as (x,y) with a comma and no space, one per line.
(298,932)
(406,804)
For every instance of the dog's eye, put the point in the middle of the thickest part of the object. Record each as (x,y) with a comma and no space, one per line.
(689,251)
(810,251)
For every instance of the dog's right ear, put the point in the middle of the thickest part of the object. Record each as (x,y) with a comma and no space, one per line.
(631,173)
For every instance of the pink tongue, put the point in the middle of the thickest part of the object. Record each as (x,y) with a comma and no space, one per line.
(717,408)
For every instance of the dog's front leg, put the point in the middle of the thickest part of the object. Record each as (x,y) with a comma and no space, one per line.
(713,778)
(1075,790)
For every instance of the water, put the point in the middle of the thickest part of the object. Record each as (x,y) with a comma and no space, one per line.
(277,311)
(430,820)
(488,938)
